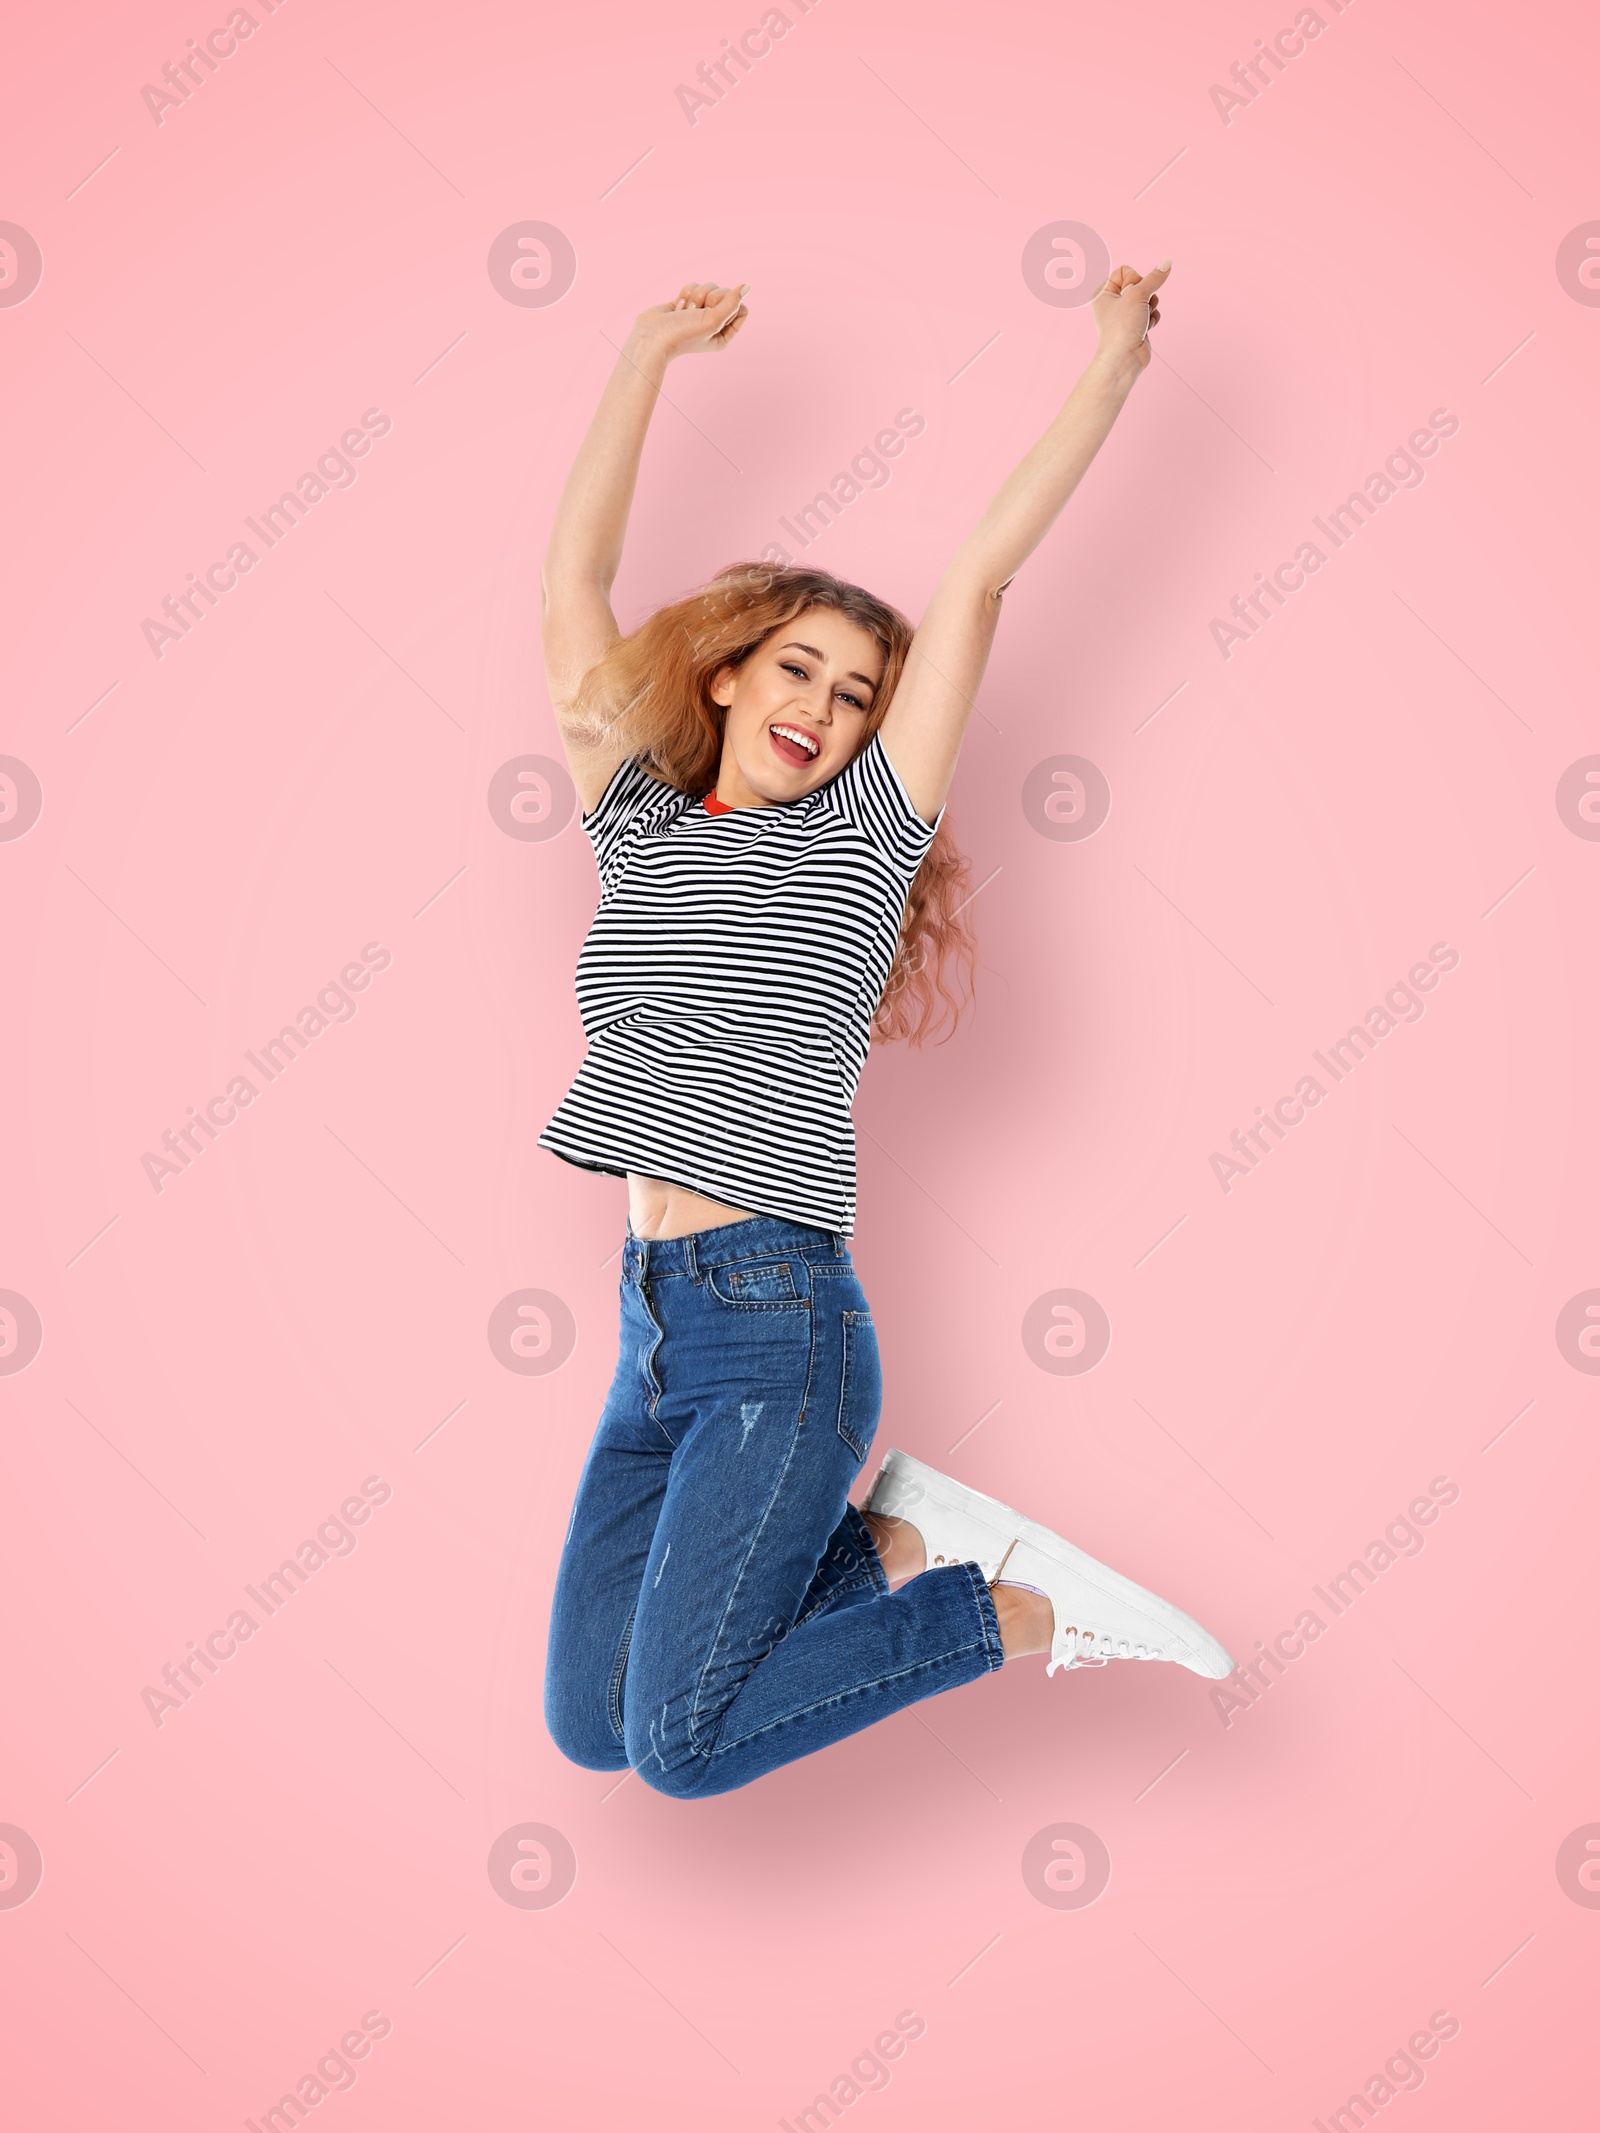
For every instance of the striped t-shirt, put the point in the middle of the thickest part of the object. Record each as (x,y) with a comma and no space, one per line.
(728,984)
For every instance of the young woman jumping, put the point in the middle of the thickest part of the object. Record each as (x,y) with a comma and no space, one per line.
(763,769)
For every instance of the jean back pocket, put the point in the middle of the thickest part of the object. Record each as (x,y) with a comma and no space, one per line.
(861,1383)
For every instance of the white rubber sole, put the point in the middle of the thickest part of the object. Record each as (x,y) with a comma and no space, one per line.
(1099,1613)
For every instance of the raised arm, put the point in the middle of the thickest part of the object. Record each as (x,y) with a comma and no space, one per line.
(591,520)
(923,727)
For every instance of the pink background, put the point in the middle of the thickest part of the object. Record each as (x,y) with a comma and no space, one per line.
(1292,1894)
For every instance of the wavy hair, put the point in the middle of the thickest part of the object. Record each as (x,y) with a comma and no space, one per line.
(652,691)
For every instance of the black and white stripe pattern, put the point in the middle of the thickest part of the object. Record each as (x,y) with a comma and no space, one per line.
(728,985)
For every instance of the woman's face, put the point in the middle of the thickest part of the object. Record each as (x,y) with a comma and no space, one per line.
(797,709)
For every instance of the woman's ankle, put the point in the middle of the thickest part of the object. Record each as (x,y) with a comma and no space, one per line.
(899,1546)
(1026,1618)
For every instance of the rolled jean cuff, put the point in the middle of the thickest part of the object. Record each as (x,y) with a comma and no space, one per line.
(987,1616)
(867,1547)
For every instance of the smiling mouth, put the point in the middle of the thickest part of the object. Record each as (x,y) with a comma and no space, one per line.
(794,744)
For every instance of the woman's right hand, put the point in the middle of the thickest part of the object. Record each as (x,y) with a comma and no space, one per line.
(702,316)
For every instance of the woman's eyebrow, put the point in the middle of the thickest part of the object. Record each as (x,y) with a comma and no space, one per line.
(794,645)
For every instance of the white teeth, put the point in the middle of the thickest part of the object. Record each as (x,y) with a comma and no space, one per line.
(805,740)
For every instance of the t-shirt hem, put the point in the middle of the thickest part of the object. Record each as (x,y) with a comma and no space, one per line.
(583,1162)
(782,1211)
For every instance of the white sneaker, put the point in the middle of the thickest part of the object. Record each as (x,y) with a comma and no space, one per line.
(1099,1614)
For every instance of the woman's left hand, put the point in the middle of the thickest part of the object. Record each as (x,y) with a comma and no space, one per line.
(1125,310)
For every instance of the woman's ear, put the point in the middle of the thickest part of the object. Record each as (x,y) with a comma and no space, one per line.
(721,686)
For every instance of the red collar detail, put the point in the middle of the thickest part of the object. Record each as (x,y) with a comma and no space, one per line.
(714,806)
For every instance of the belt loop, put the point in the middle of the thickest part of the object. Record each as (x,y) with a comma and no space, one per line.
(689,1266)
(641,1249)
(841,1245)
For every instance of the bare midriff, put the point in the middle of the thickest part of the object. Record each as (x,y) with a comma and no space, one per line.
(658,1208)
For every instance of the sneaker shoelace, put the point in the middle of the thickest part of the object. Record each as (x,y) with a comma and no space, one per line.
(1081,1647)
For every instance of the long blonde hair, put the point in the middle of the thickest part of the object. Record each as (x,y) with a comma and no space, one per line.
(652,690)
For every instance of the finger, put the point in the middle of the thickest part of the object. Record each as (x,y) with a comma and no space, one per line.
(1151,282)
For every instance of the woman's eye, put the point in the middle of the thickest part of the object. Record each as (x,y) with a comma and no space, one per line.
(789,666)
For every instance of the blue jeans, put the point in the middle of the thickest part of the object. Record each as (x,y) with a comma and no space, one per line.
(720,1608)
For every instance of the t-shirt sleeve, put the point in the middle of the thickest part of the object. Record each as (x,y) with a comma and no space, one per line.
(868,790)
(617,811)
